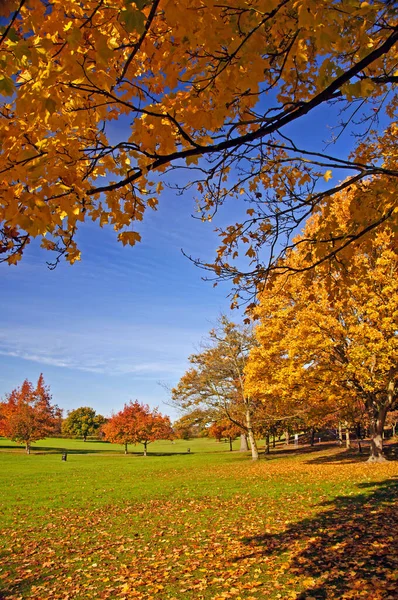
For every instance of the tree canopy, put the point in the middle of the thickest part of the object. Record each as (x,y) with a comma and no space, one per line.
(327,337)
(195,85)
(216,380)
(137,424)
(82,422)
(27,415)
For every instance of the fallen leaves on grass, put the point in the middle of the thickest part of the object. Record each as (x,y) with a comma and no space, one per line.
(296,545)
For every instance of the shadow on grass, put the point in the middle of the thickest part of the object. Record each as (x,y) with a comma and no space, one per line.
(104,451)
(301,450)
(340,454)
(350,548)
(390,450)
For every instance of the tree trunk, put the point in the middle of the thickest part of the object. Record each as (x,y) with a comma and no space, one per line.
(145,448)
(243,443)
(230,444)
(340,434)
(273,440)
(27,446)
(266,449)
(358,436)
(376,441)
(347,439)
(287,437)
(85,437)
(393,429)
(312,443)
(125,448)
(250,433)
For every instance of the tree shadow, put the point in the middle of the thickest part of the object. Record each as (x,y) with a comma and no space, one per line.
(352,455)
(350,549)
(37,450)
(300,450)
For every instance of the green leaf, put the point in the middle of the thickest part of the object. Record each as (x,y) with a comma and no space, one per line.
(6,85)
(133,20)
(11,35)
(50,105)
(140,4)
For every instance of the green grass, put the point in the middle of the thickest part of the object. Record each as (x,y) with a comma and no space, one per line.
(207,525)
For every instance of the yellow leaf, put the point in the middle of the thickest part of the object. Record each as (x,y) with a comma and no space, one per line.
(328,175)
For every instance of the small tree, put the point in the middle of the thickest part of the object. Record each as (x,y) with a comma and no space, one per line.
(27,414)
(216,380)
(192,424)
(225,429)
(82,422)
(137,424)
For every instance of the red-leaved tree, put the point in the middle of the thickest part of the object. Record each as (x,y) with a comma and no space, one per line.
(27,415)
(225,429)
(137,424)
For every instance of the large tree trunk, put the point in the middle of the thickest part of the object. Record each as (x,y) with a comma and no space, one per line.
(250,433)
(287,437)
(340,434)
(358,436)
(145,448)
(267,448)
(27,446)
(243,443)
(347,438)
(312,443)
(376,441)
(230,444)
(125,448)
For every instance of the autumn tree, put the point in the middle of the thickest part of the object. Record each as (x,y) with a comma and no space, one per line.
(225,429)
(192,423)
(217,89)
(82,422)
(137,424)
(327,340)
(215,381)
(27,415)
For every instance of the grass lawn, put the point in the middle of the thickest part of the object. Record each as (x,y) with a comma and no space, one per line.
(206,525)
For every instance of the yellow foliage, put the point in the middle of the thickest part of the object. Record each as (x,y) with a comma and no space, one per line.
(185,79)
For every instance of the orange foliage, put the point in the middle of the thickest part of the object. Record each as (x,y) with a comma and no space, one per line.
(137,424)
(187,80)
(27,415)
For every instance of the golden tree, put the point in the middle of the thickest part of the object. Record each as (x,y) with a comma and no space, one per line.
(216,380)
(198,85)
(327,338)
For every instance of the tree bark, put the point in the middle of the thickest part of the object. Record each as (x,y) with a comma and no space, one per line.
(27,446)
(125,448)
(340,434)
(267,449)
(230,444)
(243,443)
(273,441)
(250,433)
(312,443)
(287,437)
(347,439)
(358,436)
(145,448)
(376,440)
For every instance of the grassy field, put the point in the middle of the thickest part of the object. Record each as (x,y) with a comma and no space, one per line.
(206,525)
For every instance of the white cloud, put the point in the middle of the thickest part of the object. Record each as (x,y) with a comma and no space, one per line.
(148,352)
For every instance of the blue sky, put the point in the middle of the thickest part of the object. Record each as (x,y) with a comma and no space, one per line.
(110,328)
